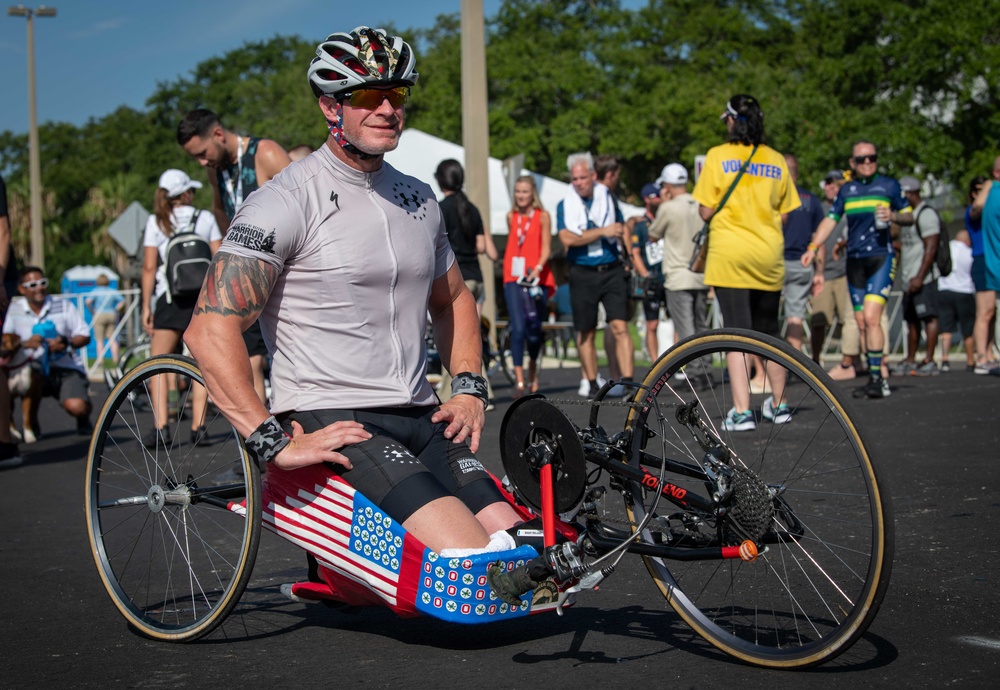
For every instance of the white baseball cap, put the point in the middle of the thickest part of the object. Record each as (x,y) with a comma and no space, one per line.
(674,173)
(176,182)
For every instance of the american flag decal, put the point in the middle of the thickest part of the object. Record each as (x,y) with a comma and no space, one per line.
(346,531)
(370,559)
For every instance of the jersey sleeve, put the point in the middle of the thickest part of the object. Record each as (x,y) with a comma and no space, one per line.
(269,227)
(444,256)
(639,233)
(837,210)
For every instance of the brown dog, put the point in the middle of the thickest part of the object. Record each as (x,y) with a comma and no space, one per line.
(24,382)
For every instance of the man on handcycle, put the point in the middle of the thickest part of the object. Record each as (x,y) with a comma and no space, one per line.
(340,256)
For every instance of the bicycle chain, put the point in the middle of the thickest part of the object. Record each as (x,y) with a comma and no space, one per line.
(588,403)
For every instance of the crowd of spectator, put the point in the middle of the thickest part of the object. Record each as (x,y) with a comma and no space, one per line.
(825,261)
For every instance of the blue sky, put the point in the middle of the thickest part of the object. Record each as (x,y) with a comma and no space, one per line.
(96,55)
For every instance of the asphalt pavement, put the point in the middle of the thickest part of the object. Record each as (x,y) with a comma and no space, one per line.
(936,440)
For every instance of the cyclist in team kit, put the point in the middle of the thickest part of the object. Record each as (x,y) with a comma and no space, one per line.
(871,202)
(341,256)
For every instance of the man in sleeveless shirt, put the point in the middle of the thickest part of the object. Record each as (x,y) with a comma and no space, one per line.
(238,165)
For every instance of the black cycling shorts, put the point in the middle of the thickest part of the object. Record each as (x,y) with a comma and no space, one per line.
(654,296)
(922,305)
(408,462)
(174,315)
(606,284)
(754,310)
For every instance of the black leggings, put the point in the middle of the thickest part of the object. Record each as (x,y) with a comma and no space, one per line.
(755,310)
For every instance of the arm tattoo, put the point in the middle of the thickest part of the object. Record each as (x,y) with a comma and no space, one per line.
(236,286)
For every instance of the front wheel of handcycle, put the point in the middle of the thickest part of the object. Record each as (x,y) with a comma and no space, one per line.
(797,479)
(173,517)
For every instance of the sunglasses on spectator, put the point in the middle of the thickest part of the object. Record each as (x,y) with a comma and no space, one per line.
(32,284)
(868,158)
(370,99)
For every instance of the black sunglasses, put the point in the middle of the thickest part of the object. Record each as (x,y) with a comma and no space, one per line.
(869,158)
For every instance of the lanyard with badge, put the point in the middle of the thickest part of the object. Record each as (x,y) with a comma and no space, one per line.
(517,264)
(236,196)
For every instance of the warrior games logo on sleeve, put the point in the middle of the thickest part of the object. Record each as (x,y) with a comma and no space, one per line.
(251,237)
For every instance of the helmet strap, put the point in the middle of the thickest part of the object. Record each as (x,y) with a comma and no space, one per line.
(337,132)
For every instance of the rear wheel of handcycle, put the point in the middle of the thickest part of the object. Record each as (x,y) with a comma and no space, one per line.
(174,527)
(803,486)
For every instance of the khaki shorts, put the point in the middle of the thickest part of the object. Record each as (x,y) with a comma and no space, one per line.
(104,325)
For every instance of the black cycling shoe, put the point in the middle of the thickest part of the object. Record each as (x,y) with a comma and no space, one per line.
(155,437)
(199,436)
(83,426)
(877,387)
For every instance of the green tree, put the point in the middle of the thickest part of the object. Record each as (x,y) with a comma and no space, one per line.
(919,79)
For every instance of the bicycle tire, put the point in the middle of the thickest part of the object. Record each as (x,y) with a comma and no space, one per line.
(820,581)
(173,529)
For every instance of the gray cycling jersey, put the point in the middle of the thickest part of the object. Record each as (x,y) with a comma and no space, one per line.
(357,253)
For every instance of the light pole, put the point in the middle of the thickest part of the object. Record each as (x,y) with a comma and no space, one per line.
(34,165)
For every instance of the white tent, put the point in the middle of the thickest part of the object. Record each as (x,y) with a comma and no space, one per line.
(419,154)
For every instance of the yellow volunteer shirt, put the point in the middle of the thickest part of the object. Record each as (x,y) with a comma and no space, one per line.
(745,244)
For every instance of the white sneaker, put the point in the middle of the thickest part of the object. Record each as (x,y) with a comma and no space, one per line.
(776,415)
(739,421)
(584,389)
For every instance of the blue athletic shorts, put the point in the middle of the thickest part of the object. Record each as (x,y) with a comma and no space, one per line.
(870,278)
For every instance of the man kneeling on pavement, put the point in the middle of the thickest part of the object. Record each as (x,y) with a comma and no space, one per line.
(52,330)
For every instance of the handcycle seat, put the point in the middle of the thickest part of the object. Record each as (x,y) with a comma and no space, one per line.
(366,558)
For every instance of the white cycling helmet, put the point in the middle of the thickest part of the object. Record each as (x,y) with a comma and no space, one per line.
(363,57)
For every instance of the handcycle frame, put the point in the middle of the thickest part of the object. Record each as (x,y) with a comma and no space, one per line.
(711,497)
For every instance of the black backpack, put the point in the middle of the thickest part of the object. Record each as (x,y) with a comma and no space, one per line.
(943,257)
(188,258)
